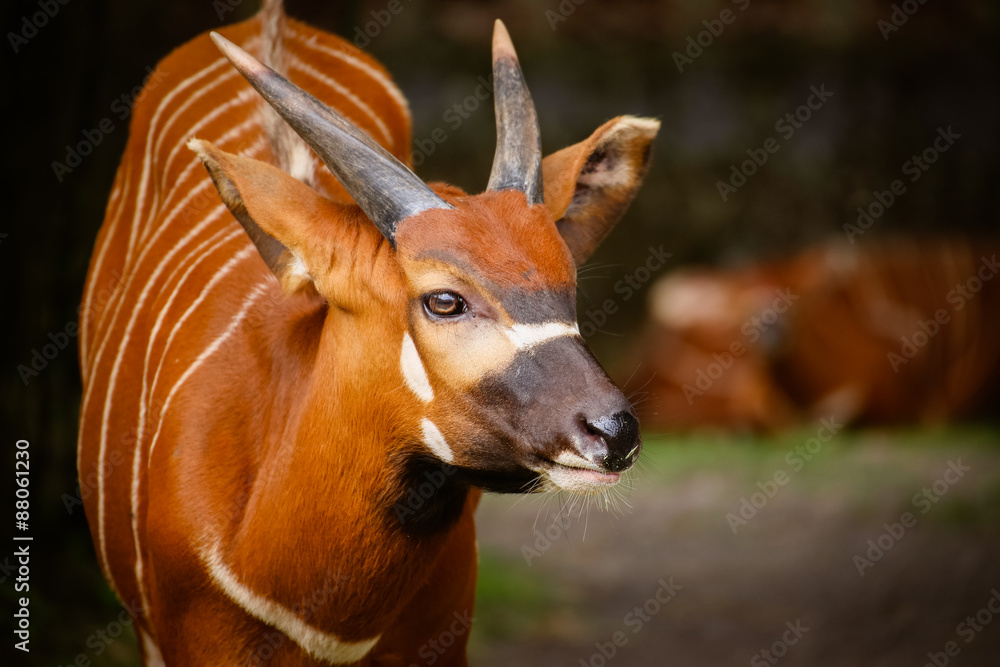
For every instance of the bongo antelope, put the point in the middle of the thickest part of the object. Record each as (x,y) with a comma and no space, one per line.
(294,349)
(879,332)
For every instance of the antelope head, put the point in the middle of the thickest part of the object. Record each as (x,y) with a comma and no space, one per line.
(472,298)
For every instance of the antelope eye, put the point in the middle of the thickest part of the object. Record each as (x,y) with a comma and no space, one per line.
(445,304)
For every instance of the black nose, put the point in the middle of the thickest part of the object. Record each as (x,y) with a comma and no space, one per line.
(620,433)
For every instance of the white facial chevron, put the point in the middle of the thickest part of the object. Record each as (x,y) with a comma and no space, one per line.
(525,336)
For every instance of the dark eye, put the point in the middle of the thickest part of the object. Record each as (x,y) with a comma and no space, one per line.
(445,304)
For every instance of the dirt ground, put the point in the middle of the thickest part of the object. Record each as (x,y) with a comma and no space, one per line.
(786,582)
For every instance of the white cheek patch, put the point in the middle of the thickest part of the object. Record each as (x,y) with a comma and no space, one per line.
(525,336)
(435,441)
(413,370)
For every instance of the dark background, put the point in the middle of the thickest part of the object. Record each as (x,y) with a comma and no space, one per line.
(890,97)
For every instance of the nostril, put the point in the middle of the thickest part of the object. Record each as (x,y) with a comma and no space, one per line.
(620,433)
(590,429)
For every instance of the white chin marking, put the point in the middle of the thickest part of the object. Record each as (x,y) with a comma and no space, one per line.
(413,370)
(581,480)
(435,441)
(525,336)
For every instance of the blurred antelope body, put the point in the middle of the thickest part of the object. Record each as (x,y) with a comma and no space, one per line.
(890,332)
(297,347)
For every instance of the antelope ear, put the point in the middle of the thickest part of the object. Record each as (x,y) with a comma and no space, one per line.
(287,220)
(589,185)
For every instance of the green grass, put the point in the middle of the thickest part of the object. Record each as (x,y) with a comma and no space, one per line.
(518,597)
(869,475)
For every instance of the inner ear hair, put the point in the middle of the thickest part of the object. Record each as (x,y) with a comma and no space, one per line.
(594,181)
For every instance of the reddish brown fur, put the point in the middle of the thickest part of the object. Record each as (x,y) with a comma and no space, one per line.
(526,249)
(829,353)
(247,455)
(376,562)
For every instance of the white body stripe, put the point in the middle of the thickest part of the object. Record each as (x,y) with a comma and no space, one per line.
(129,269)
(177,229)
(413,370)
(152,652)
(248,251)
(241,98)
(389,140)
(525,336)
(318,644)
(140,201)
(98,266)
(391,88)
(200,255)
(113,377)
(161,167)
(435,441)
(203,186)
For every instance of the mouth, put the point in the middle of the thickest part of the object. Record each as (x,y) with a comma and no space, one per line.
(570,472)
